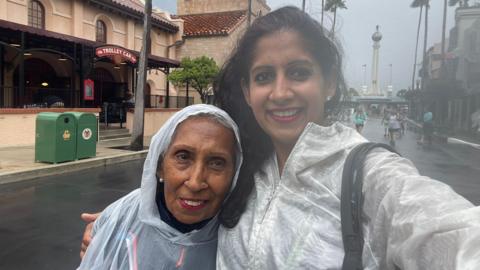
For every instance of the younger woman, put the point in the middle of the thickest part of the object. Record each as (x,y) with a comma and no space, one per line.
(280,85)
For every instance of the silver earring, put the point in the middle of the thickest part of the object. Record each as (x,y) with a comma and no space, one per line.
(160,180)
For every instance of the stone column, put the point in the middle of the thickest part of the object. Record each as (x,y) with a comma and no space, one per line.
(376,37)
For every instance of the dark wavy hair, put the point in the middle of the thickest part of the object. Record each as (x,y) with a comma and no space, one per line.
(257,145)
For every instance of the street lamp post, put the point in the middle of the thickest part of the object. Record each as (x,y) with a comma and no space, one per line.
(391,68)
(364,66)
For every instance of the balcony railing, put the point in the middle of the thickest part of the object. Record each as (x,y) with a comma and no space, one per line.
(159,101)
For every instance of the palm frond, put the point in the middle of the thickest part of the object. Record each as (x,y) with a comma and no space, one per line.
(332,5)
(418,3)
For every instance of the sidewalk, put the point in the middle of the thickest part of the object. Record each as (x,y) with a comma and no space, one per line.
(448,139)
(17,163)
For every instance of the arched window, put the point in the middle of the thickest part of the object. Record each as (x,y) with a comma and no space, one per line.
(36,14)
(101,32)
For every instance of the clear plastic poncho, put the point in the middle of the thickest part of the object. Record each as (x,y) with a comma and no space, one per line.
(130,235)
(292,219)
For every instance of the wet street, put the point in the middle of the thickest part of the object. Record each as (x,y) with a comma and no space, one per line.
(40,226)
(455,165)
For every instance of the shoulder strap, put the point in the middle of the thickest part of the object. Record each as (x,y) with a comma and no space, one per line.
(351,204)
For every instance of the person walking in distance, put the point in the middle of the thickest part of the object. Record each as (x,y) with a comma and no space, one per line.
(427,128)
(359,118)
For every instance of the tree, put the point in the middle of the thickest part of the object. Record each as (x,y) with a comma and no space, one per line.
(444,28)
(417,3)
(461,3)
(323,11)
(402,93)
(352,92)
(198,73)
(138,119)
(332,6)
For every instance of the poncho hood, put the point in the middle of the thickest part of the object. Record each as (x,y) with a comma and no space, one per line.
(148,212)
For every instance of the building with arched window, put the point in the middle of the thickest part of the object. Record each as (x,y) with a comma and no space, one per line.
(60,48)
(74,39)
(36,14)
(101,32)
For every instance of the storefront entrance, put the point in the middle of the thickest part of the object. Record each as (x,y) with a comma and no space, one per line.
(43,87)
(109,95)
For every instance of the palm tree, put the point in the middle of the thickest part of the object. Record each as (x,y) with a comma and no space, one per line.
(444,29)
(332,6)
(138,120)
(416,44)
(417,3)
(323,11)
(462,3)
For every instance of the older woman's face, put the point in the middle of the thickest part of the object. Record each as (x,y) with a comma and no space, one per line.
(197,169)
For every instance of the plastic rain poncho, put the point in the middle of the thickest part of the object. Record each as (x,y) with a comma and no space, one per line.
(292,220)
(130,235)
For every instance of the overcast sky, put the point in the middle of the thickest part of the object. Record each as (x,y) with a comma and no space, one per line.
(355,26)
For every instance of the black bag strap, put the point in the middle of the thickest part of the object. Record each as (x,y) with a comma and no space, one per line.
(351,204)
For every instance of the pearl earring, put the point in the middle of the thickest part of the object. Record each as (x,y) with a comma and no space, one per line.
(160,180)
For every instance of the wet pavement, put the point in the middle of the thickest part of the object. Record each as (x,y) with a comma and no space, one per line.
(454,164)
(40,226)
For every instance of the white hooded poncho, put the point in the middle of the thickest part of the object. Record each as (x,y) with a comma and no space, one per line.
(292,220)
(130,235)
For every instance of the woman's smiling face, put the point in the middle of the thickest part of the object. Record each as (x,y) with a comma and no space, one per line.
(286,89)
(197,169)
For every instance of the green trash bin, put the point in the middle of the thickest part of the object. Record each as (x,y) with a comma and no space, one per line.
(86,134)
(55,137)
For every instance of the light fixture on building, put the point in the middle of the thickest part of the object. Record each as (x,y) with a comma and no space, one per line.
(14,44)
(116,67)
(27,54)
(62,58)
(45,84)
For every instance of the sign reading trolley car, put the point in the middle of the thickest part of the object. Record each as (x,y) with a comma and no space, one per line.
(114,51)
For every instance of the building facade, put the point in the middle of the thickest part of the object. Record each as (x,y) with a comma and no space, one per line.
(452,91)
(81,53)
(213,27)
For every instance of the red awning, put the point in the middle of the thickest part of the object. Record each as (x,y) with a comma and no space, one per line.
(153,60)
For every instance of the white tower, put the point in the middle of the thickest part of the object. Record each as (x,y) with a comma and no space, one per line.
(376,37)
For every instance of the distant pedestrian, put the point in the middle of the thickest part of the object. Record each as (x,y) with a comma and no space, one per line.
(393,127)
(359,118)
(475,117)
(129,100)
(402,120)
(386,117)
(427,127)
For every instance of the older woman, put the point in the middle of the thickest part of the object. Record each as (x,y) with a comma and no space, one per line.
(171,221)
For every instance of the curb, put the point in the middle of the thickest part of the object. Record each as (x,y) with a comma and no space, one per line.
(54,169)
(458,141)
(445,139)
